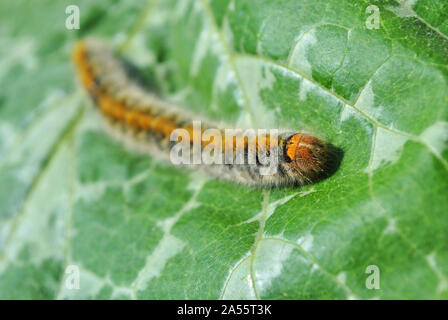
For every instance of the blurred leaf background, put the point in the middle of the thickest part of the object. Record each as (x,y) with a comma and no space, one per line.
(137,228)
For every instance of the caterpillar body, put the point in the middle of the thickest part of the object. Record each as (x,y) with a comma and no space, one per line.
(137,116)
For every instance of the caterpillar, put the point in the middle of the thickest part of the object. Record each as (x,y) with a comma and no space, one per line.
(138,117)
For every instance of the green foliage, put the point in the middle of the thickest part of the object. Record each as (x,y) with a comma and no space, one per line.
(139,228)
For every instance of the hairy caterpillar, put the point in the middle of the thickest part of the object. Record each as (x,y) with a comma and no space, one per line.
(140,118)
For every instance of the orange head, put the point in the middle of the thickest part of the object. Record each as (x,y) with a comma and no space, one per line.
(305,157)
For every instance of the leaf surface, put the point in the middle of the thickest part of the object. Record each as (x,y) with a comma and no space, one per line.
(135,227)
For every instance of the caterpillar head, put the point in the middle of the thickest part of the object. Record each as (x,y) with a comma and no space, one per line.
(306,158)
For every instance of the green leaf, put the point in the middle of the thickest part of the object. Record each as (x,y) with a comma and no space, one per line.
(134,227)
